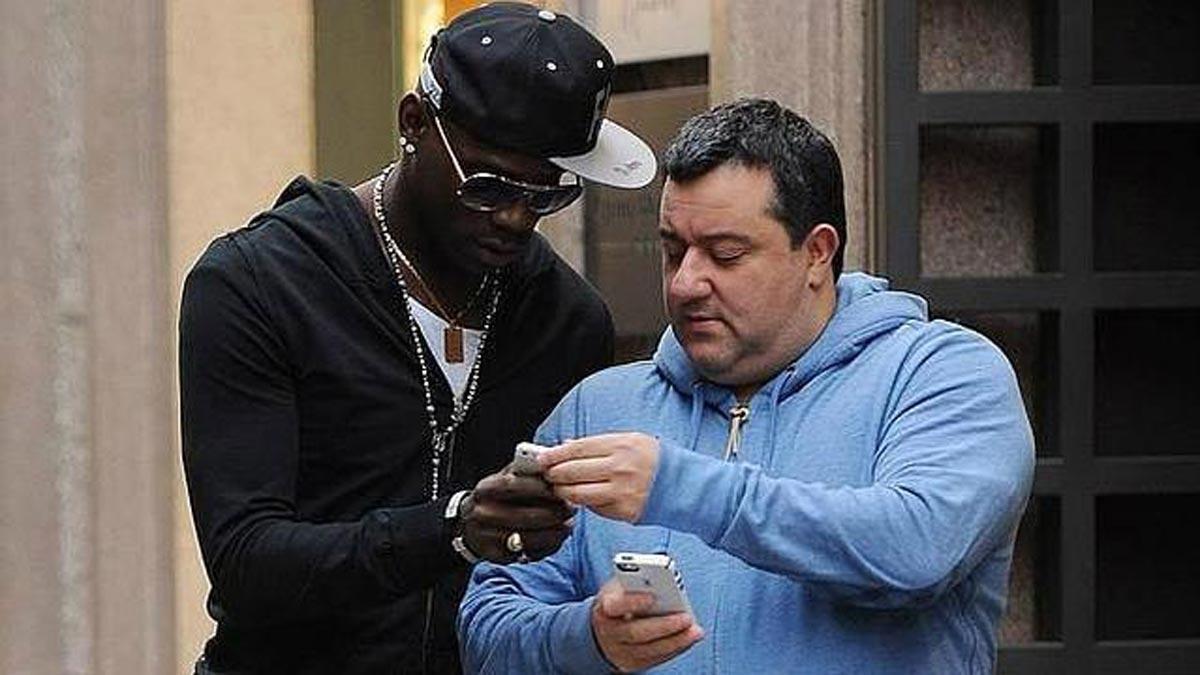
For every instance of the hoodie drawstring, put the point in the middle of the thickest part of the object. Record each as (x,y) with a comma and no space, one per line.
(739,415)
(697,410)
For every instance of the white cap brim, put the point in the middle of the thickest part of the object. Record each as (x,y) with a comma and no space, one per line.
(620,159)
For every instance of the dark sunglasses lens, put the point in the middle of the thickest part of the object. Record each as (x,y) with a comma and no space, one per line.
(490,193)
(545,202)
(487,193)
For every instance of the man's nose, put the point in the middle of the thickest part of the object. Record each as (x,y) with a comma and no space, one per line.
(515,217)
(690,280)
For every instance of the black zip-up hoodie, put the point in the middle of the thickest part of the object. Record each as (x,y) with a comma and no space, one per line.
(306,443)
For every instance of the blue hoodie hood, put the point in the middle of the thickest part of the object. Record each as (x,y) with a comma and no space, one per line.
(865,310)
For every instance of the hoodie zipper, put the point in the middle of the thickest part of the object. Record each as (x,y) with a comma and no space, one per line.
(425,633)
(739,416)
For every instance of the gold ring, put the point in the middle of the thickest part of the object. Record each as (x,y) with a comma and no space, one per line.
(513,543)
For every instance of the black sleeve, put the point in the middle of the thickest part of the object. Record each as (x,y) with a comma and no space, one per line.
(240,454)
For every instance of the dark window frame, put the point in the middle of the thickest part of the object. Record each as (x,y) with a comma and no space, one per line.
(1073,293)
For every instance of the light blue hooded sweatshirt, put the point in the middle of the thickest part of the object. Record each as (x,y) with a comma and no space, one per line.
(864,525)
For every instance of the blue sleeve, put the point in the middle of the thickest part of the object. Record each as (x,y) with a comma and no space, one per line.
(953,469)
(533,618)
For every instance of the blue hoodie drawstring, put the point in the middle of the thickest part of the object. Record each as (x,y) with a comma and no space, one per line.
(739,415)
(697,410)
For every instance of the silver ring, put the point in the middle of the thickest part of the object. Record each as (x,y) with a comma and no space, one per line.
(513,543)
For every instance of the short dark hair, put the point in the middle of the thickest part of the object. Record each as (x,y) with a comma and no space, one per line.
(760,133)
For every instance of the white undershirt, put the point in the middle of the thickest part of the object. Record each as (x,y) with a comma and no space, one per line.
(433,329)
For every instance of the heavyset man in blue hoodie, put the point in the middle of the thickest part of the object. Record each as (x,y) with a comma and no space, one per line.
(838,478)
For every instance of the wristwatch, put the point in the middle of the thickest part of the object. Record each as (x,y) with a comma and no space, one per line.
(452,514)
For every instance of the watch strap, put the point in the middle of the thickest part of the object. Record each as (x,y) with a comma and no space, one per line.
(460,547)
(451,514)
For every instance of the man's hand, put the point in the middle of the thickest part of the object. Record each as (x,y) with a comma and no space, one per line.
(630,642)
(609,473)
(504,503)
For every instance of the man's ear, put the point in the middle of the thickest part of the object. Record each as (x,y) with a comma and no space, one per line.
(820,247)
(411,117)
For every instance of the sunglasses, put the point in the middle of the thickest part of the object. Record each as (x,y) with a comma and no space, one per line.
(484,191)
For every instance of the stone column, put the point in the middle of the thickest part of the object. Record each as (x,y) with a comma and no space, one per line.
(815,57)
(242,124)
(85,405)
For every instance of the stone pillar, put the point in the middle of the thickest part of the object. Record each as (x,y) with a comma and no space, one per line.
(815,57)
(85,404)
(241,124)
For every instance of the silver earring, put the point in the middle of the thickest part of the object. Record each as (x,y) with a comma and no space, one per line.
(409,148)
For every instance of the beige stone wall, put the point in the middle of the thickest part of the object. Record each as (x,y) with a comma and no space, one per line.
(240,125)
(814,57)
(85,418)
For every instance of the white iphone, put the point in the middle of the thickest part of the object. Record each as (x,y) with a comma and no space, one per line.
(525,459)
(653,573)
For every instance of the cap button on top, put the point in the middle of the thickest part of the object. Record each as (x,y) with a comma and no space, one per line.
(547,15)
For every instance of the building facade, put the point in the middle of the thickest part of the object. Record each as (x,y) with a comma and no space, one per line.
(1025,164)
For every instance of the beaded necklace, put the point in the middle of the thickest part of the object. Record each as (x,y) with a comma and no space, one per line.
(443,438)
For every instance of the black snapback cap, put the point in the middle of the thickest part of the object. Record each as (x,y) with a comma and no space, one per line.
(537,83)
